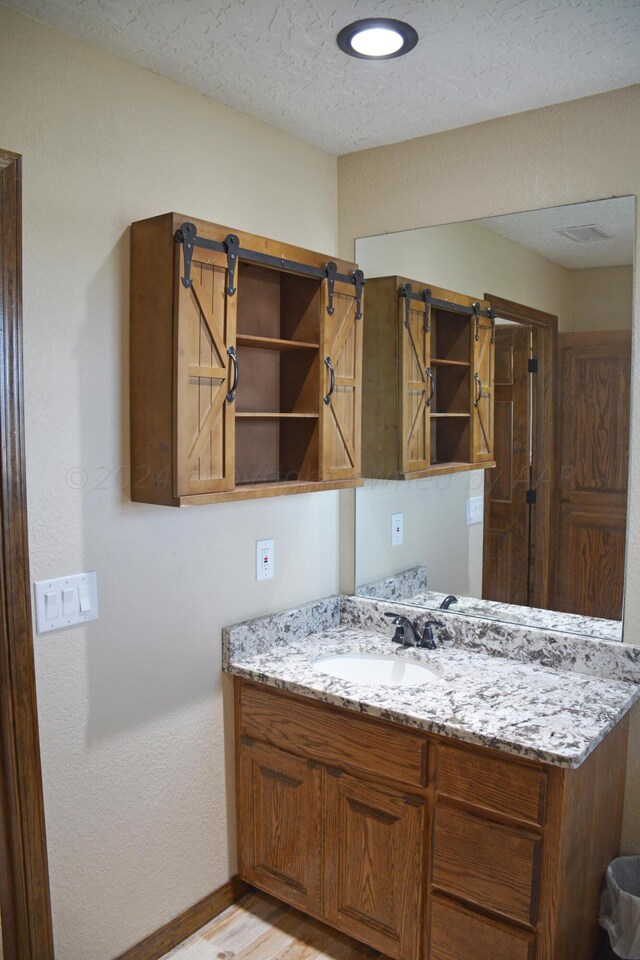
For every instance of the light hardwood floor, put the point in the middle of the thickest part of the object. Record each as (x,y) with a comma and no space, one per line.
(260,928)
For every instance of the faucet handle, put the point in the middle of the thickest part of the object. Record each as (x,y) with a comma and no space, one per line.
(397,621)
(428,640)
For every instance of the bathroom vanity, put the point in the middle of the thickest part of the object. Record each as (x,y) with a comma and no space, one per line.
(468,817)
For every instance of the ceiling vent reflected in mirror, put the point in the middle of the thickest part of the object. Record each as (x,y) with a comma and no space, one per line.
(583,234)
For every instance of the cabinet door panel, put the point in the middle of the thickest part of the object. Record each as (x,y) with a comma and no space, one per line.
(415,387)
(373,865)
(340,416)
(280,824)
(482,352)
(204,418)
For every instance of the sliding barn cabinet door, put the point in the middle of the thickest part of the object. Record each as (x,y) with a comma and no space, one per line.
(482,390)
(206,377)
(340,384)
(416,385)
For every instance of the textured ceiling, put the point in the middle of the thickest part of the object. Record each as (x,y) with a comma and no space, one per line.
(277,60)
(536,229)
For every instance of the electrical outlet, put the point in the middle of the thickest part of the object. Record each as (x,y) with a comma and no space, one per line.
(397,529)
(475,510)
(264,560)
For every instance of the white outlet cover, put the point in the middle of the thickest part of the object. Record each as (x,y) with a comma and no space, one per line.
(397,529)
(475,510)
(264,560)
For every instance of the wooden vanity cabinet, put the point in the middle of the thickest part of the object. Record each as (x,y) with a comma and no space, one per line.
(419,846)
(427,381)
(231,393)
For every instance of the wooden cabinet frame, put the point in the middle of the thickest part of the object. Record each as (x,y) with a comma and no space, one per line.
(427,381)
(287,323)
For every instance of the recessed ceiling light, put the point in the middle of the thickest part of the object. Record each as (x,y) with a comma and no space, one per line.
(589,231)
(377,38)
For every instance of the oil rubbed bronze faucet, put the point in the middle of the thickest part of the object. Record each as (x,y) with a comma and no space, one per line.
(446,603)
(408,632)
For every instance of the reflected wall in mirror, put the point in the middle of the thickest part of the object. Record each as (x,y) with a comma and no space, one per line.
(496,398)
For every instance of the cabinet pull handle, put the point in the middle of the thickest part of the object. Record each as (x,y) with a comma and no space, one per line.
(329,366)
(433,385)
(236,374)
(479,393)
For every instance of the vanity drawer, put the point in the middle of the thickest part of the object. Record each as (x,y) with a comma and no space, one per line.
(513,789)
(489,864)
(460,934)
(332,736)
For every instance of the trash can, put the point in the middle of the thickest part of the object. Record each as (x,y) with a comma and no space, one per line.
(620,907)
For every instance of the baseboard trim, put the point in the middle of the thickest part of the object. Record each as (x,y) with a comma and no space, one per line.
(185,924)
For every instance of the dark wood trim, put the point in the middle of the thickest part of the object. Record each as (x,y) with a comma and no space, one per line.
(188,922)
(24,877)
(520,313)
(545,460)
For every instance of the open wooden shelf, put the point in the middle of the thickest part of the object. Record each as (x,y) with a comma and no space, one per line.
(435,361)
(277,416)
(450,415)
(273,343)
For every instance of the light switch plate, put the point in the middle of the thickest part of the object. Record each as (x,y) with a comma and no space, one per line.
(475,510)
(65,601)
(264,559)
(397,529)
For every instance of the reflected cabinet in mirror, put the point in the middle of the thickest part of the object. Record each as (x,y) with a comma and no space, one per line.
(496,404)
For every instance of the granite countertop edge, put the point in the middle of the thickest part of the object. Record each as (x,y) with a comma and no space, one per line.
(464,734)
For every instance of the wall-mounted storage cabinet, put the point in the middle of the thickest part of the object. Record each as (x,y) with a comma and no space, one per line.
(246,359)
(427,381)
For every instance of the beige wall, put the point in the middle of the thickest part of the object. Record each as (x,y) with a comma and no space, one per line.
(131,707)
(583,150)
(601,298)
(436,534)
(470,259)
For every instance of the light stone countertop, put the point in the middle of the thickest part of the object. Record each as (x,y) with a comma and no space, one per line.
(532,711)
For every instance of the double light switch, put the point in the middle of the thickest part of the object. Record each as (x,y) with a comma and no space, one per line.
(66,601)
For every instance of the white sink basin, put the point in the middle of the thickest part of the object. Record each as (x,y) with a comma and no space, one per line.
(375,668)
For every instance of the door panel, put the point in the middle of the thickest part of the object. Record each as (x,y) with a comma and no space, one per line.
(594,452)
(505,572)
(340,416)
(373,865)
(482,390)
(204,419)
(415,387)
(280,824)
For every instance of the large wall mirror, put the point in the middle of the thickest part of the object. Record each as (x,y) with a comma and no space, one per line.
(496,406)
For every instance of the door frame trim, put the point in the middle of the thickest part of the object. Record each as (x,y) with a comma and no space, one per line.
(545,441)
(24,875)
